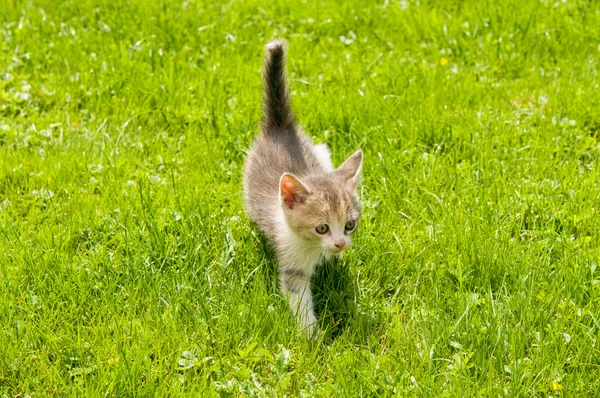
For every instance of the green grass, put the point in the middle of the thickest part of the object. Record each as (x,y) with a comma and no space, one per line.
(128,265)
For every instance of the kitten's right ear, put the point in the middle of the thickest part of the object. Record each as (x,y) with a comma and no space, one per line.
(351,169)
(292,191)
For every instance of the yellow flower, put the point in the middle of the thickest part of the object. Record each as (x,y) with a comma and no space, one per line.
(443,61)
(113,361)
(555,386)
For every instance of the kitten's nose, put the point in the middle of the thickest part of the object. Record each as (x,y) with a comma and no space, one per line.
(340,244)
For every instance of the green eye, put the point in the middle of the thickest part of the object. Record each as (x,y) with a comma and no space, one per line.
(323,228)
(350,225)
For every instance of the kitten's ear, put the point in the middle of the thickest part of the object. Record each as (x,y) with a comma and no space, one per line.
(351,169)
(292,191)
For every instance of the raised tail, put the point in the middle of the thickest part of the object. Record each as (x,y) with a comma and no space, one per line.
(277,108)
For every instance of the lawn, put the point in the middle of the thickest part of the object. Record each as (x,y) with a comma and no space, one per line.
(129,267)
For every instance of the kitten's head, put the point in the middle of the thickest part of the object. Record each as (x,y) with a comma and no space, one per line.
(324,209)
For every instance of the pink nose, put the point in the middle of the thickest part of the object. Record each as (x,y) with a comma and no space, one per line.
(340,244)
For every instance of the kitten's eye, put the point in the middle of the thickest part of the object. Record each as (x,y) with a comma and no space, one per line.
(350,225)
(323,228)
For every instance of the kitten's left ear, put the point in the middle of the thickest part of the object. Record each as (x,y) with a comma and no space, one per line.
(351,169)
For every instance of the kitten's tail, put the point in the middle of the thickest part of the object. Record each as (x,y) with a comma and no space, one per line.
(277,108)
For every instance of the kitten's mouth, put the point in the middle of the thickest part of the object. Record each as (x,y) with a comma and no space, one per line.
(335,250)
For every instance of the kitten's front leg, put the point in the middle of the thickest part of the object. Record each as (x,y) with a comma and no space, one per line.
(295,285)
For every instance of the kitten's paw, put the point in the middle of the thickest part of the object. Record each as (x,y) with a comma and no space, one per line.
(314,332)
(309,326)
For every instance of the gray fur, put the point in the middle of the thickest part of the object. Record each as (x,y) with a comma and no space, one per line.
(294,272)
(290,286)
(281,148)
(283,156)
(276,108)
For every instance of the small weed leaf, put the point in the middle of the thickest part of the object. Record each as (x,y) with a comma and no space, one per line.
(187,360)
(282,362)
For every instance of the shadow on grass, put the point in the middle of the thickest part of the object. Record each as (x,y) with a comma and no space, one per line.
(334,297)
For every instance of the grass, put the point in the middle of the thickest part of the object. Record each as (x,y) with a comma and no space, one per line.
(128,265)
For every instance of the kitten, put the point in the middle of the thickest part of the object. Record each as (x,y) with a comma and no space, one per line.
(307,209)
